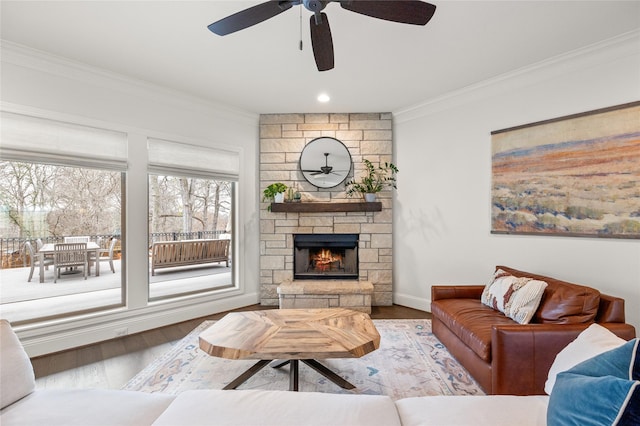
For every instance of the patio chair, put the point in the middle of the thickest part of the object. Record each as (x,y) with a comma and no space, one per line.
(83,239)
(107,255)
(35,260)
(39,245)
(68,255)
(80,239)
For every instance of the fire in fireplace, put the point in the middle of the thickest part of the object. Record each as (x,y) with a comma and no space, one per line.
(325,256)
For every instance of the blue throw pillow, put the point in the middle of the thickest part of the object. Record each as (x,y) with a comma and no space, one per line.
(603,390)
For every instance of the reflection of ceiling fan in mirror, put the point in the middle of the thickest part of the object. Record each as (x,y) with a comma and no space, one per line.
(326,169)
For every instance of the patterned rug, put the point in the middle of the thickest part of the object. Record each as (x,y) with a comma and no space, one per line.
(411,361)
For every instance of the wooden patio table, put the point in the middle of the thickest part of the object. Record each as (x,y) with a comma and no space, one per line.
(287,336)
(50,249)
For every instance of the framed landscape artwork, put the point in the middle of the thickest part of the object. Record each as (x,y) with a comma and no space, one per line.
(577,175)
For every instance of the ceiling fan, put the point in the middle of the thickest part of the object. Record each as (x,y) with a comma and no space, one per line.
(414,12)
(324,170)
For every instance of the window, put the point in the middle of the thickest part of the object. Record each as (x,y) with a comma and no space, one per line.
(59,181)
(190,229)
(191,219)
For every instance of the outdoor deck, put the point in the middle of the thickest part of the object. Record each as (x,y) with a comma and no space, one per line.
(21,300)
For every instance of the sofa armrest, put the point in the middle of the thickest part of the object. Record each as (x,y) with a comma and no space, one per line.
(611,309)
(521,355)
(456,292)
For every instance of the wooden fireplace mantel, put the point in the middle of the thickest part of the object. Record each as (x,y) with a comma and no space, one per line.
(312,207)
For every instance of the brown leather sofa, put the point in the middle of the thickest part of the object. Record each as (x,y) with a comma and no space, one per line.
(507,358)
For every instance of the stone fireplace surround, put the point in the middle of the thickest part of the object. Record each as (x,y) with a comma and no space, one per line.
(282,138)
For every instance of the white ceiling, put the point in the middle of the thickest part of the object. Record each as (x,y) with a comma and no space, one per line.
(379,65)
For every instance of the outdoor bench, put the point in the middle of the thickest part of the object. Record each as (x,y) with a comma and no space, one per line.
(169,254)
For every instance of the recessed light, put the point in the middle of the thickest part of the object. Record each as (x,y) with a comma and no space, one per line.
(323,97)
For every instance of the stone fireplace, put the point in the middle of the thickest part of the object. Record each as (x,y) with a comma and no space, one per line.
(322,213)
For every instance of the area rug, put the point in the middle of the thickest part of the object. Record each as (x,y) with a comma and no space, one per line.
(411,361)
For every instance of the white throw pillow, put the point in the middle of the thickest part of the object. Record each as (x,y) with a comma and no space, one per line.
(593,341)
(516,297)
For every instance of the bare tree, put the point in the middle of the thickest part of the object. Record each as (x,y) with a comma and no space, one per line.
(186,193)
(199,204)
(87,202)
(154,204)
(42,199)
(222,188)
(25,195)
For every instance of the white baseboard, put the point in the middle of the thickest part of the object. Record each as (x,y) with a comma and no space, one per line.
(412,302)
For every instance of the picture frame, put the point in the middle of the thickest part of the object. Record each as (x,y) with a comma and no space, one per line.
(575,176)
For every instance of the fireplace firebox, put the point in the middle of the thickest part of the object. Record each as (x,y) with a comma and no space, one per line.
(325,256)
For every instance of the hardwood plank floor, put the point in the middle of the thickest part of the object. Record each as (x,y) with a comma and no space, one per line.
(110,364)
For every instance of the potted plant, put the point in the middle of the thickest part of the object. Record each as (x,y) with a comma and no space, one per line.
(275,192)
(377,178)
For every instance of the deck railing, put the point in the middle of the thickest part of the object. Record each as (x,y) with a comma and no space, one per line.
(13,253)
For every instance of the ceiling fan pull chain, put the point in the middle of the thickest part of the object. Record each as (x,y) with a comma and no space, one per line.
(301,28)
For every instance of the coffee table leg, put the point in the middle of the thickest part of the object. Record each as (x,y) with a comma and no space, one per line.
(247,374)
(328,374)
(293,371)
(278,364)
(293,375)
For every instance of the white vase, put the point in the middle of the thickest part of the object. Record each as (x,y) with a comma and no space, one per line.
(279,197)
(370,197)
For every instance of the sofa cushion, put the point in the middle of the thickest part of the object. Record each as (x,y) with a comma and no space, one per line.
(16,373)
(604,389)
(593,341)
(516,297)
(471,322)
(562,302)
(278,408)
(497,410)
(82,407)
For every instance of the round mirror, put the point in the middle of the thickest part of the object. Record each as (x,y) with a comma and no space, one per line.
(325,162)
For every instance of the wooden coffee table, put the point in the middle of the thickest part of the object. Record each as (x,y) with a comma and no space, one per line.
(290,336)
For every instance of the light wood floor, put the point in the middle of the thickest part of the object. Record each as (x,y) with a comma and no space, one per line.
(111,364)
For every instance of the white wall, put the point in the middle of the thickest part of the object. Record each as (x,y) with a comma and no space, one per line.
(443,207)
(35,82)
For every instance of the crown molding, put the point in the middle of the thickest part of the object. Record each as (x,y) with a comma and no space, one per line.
(27,57)
(624,45)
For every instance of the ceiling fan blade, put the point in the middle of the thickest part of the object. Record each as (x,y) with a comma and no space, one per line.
(414,12)
(251,16)
(322,42)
